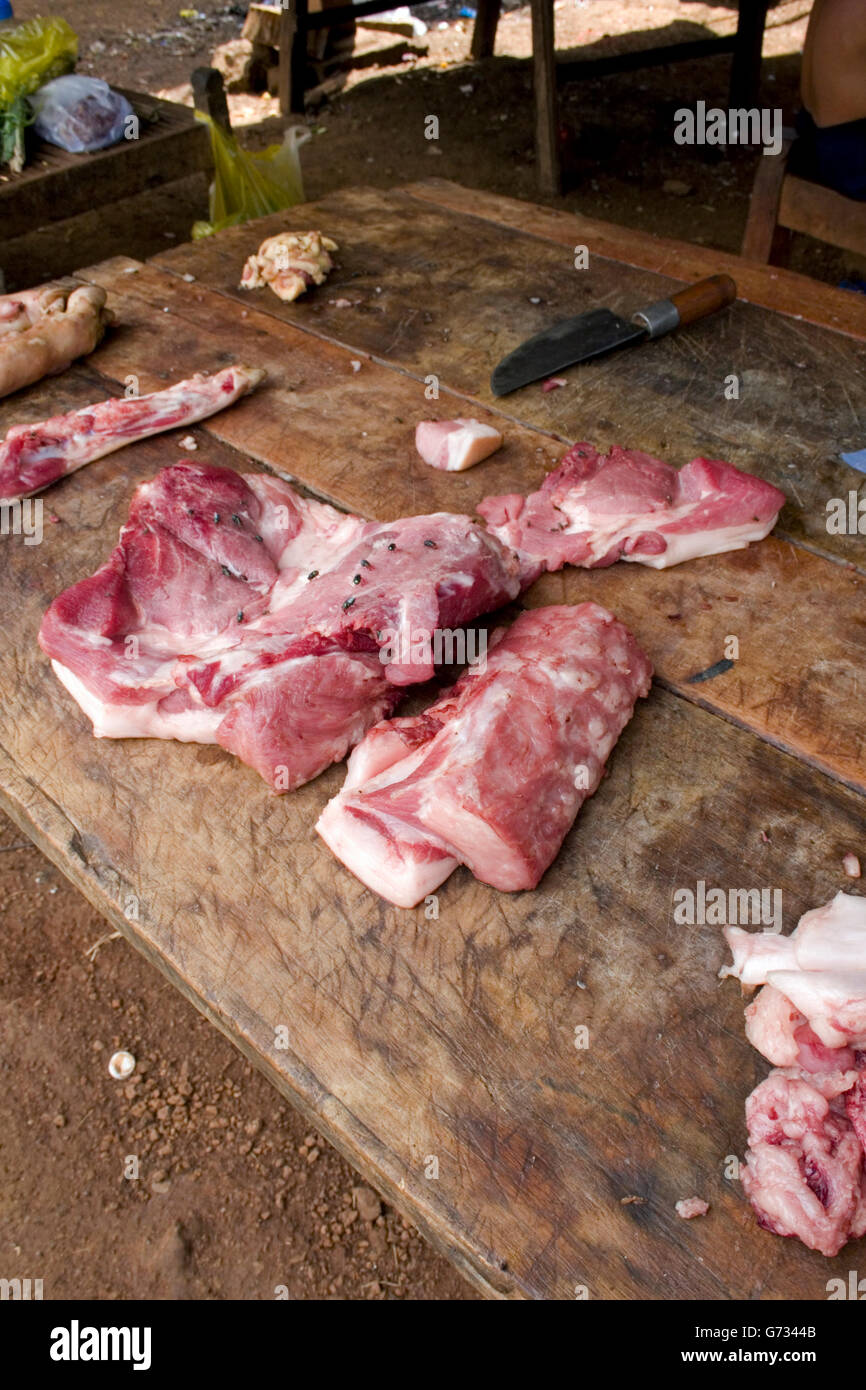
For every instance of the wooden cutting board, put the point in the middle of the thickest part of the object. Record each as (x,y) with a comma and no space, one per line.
(439,1052)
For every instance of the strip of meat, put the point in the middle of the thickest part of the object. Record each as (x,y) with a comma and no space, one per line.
(69,327)
(493,774)
(804,1165)
(594,509)
(33,456)
(455,445)
(235,611)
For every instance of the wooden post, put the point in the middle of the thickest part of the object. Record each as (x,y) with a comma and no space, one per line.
(293,56)
(209,96)
(762,233)
(546,101)
(746,64)
(484,33)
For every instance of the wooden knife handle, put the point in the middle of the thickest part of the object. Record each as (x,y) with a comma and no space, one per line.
(704,298)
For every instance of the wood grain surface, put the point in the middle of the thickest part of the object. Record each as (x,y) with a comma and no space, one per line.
(438,1053)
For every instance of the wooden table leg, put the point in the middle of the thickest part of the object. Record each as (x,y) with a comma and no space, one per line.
(746,65)
(293,56)
(546,100)
(484,33)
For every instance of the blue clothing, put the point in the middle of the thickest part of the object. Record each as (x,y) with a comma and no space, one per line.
(833,155)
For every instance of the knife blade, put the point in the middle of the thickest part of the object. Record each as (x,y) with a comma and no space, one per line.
(600,331)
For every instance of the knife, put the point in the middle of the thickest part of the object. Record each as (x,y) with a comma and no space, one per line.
(600,331)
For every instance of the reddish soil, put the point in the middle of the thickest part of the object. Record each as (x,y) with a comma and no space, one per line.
(234,1197)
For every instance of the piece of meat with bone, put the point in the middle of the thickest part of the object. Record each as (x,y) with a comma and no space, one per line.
(290,263)
(594,509)
(494,773)
(42,331)
(804,1168)
(234,611)
(455,445)
(33,456)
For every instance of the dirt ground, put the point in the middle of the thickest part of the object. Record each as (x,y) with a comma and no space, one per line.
(234,1196)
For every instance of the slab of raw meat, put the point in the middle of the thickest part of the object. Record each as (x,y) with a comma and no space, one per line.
(594,509)
(804,1170)
(290,263)
(493,774)
(455,445)
(228,613)
(32,456)
(42,331)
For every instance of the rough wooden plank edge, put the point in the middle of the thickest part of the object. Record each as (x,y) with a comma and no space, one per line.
(771,287)
(43,821)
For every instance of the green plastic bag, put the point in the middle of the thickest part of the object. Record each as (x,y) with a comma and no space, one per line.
(31,54)
(248,185)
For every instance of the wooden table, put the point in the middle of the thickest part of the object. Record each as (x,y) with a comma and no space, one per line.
(439,1055)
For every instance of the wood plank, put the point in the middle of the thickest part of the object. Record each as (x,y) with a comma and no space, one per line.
(823,213)
(444,294)
(763,215)
(340,433)
(537,1142)
(784,291)
(484,31)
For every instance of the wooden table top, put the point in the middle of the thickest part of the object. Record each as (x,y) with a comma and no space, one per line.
(439,1055)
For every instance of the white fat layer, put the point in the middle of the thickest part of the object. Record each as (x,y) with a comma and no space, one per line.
(139,721)
(398,876)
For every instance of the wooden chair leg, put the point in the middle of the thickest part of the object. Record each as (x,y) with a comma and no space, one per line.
(546,98)
(761,230)
(746,65)
(292,77)
(484,33)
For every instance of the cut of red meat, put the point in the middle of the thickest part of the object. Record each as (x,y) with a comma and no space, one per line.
(32,456)
(235,611)
(493,774)
(594,509)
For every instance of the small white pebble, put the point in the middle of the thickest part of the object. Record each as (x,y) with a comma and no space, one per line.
(851,865)
(189,278)
(121,1065)
(341,303)
(189,443)
(467,89)
(356,366)
(534,299)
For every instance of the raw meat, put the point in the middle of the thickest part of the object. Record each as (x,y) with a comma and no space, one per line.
(594,509)
(806,1164)
(455,445)
(290,263)
(804,1170)
(690,1207)
(33,456)
(228,614)
(42,331)
(820,970)
(493,774)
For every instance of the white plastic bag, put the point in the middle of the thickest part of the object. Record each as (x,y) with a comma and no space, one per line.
(79,113)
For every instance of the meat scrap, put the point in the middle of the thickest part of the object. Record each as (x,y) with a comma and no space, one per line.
(234,611)
(455,445)
(805,1171)
(494,773)
(594,509)
(290,263)
(690,1207)
(43,330)
(33,456)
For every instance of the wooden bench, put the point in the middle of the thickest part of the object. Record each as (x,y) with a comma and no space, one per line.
(782,203)
(55,185)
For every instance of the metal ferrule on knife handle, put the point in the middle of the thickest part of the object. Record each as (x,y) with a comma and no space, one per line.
(695,302)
